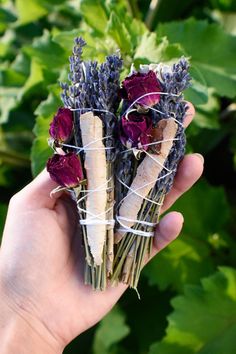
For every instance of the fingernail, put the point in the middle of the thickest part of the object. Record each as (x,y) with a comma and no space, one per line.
(182,217)
(200,157)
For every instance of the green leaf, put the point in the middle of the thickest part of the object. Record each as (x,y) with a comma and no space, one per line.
(94,50)
(224,5)
(112,329)
(40,151)
(95,14)
(3,214)
(66,38)
(8,102)
(152,50)
(204,215)
(188,258)
(211,51)
(207,115)
(48,107)
(197,93)
(204,318)
(47,53)
(118,31)
(32,12)
(6,17)
(35,78)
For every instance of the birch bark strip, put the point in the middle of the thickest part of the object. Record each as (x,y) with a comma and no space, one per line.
(95,165)
(148,171)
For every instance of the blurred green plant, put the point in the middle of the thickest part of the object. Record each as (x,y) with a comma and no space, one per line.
(36,41)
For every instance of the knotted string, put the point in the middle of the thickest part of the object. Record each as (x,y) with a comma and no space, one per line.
(98,218)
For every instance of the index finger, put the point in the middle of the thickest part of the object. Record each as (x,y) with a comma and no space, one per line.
(37,193)
(189,114)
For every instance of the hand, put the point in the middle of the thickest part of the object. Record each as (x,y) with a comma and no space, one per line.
(41,264)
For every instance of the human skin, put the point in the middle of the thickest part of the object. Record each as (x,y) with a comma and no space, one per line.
(44,303)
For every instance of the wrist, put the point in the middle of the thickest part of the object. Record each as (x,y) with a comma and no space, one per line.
(19,332)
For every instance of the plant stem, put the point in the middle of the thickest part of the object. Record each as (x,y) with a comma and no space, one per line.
(110,230)
(13,158)
(133,8)
(132,251)
(151,14)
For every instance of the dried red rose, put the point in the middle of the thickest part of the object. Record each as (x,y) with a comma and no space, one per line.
(140,84)
(135,130)
(66,170)
(62,125)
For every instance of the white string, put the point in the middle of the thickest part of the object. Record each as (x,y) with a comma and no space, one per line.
(91,109)
(172,115)
(131,191)
(85,148)
(148,94)
(149,144)
(137,232)
(97,219)
(126,228)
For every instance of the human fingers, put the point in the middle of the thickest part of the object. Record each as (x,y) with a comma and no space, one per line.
(37,194)
(167,230)
(189,171)
(189,114)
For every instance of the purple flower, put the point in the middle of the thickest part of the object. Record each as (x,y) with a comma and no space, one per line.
(62,125)
(135,131)
(139,84)
(66,170)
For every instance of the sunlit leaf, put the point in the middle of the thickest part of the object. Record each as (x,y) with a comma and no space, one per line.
(34,11)
(110,331)
(40,150)
(204,318)
(215,62)
(95,14)
(206,212)
(117,30)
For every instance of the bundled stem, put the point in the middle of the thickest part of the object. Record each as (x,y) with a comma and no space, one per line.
(132,250)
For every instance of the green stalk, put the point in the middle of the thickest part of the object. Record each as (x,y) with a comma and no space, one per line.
(133,250)
(13,158)
(151,14)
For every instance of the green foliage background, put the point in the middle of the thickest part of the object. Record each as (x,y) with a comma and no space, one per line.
(188,292)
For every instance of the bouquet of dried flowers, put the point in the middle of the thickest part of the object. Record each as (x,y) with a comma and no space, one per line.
(82,135)
(118,169)
(152,142)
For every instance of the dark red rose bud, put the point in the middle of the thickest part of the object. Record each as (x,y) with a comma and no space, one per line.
(135,131)
(62,125)
(66,170)
(140,84)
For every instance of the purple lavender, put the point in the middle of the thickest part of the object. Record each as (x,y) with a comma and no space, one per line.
(94,87)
